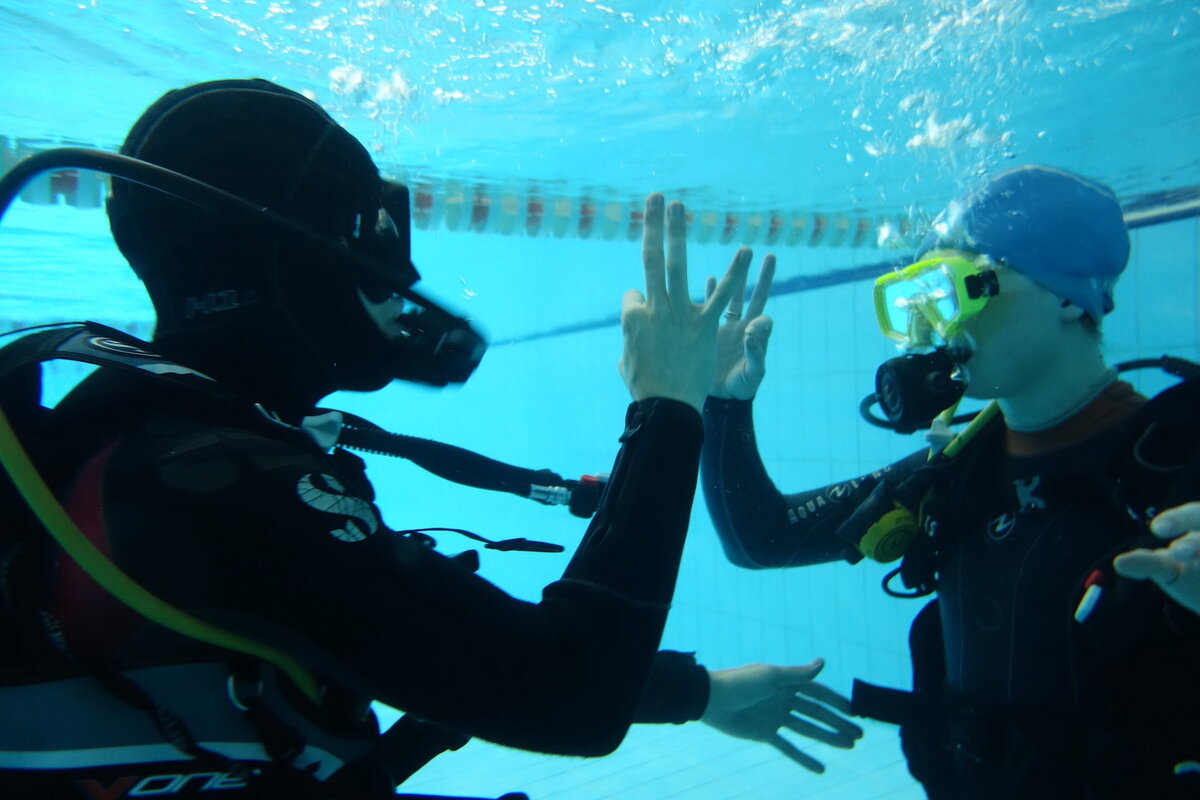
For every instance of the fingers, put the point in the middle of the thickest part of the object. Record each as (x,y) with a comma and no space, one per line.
(1175,521)
(838,731)
(1186,549)
(794,677)
(1175,568)
(738,288)
(734,276)
(823,694)
(1154,565)
(795,754)
(652,250)
(666,268)
(762,289)
(842,741)
(1165,566)
(677,283)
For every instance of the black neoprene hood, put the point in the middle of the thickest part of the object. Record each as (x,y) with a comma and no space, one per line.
(261,142)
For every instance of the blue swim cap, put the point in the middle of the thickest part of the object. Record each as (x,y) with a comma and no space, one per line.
(1061,230)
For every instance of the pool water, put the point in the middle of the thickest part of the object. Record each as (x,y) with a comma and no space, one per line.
(825,133)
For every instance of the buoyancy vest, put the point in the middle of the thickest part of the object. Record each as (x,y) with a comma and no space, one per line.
(1124,717)
(168,728)
(229,722)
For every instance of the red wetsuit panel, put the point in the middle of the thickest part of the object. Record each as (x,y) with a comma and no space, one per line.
(94,621)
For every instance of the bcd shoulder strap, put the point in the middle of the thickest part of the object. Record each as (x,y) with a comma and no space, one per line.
(92,343)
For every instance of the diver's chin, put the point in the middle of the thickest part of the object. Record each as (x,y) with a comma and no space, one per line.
(978,386)
(974,393)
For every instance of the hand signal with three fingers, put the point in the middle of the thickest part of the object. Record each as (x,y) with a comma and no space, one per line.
(670,340)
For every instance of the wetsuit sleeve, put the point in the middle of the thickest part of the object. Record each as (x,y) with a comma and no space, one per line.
(677,690)
(633,544)
(758,525)
(287,546)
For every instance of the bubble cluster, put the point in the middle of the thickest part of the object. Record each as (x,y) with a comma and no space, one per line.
(884,100)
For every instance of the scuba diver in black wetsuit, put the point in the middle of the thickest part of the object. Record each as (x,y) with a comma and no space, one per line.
(1048,666)
(228,601)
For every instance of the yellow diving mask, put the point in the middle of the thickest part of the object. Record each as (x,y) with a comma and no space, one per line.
(925,304)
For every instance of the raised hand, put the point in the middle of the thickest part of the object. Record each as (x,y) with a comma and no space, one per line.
(1175,568)
(671,341)
(757,701)
(742,340)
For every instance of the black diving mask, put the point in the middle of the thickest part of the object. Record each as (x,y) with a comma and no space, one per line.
(437,348)
(433,346)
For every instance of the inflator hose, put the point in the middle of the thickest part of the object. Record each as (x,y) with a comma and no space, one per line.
(112,579)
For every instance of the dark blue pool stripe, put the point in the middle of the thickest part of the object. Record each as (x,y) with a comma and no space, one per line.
(1143,212)
(781,288)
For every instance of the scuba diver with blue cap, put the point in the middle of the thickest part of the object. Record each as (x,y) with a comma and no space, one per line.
(221,600)
(1059,530)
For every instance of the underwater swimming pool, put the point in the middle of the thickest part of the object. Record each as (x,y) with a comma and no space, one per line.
(529,132)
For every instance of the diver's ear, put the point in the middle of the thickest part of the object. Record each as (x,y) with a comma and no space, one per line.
(1071,312)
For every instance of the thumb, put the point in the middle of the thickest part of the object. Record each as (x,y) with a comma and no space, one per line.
(791,676)
(630,300)
(758,333)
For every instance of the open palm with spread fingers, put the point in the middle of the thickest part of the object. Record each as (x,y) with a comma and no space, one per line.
(758,701)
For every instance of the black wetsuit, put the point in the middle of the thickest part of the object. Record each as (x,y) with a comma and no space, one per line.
(1014,698)
(247,523)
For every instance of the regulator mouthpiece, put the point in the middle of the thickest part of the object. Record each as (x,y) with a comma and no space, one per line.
(913,388)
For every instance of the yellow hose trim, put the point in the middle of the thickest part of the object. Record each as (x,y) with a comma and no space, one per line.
(101,569)
(959,442)
(969,432)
